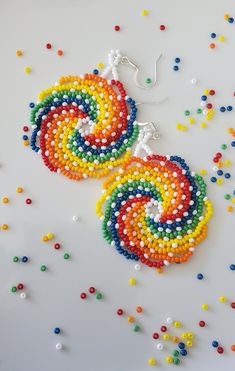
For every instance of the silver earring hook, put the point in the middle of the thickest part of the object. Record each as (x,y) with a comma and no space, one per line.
(126,60)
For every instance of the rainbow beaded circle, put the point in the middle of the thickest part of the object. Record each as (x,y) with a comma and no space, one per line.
(155,210)
(84,126)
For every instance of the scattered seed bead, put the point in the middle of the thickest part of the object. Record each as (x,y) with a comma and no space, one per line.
(205,306)
(91,290)
(169,359)
(23,295)
(137,267)
(203,125)
(177,60)
(56,330)
(199,110)
(231,20)
(27,70)
(152,361)
(166,337)
(5,200)
(57,246)
(176,68)
(169,320)
(202,323)
(24,259)
(184,336)
(160,346)
(232,267)
(227,163)
(59,346)
(232,305)
(19,190)
(163,328)
(175,353)
(60,52)
(221,38)
(130,319)
(19,53)
(183,352)
(48,46)
(83,295)
(155,335)
(189,343)
(220,350)
(200,276)
(227,196)
(233,143)
(219,181)
(144,12)
(14,289)
(215,343)
(202,172)
(213,179)
(176,361)
(100,65)
(66,256)
(99,296)
(15,259)
(136,328)
(28,201)
(212,45)
(193,81)
(43,268)
(148,81)
(222,299)
(187,113)
(226,16)
(162,27)
(120,312)
(177,324)
(132,281)
(232,347)
(230,209)
(20,286)
(222,109)
(191,120)
(175,339)
(139,309)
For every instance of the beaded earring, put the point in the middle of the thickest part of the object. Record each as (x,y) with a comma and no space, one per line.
(84,126)
(153,209)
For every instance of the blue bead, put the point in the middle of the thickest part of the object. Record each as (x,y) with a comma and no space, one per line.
(200,276)
(231,20)
(175,68)
(213,35)
(95,71)
(234,192)
(183,352)
(227,175)
(25,137)
(215,344)
(222,109)
(24,259)
(232,267)
(31,105)
(56,330)
(220,172)
(181,345)
(177,60)
(233,143)
(213,179)
(229,108)
(203,97)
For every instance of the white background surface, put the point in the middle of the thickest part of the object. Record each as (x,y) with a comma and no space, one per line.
(94,337)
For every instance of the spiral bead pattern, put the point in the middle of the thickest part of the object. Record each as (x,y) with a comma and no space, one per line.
(155,210)
(84,126)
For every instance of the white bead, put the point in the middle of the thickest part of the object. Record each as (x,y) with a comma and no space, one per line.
(23,295)
(169,320)
(159,346)
(59,346)
(137,267)
(75,218)
(193,81)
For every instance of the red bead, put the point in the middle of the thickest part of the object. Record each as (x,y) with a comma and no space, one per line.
(92,290)
(57,246)
(209,105)
(202,323)
(48,46)
(163,328)
(215,159)
(117,28)
(232,305)
(220,350)
(162,27)
(212,92)
(20,286)
(219,155)
(120,312)
(83,295)
(155,335)
(28,201)
(25,128)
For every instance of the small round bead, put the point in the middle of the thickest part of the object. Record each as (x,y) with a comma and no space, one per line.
(95,71)
(20,286)
(24,259)
(230,208)
(233,143)
(169,359)
(181,345)
(66,256)
(212,45)
(202,323)
(136,328)
(152,361)
(232,267)
(75,218)
(99,296)
(19,53)
(19,190)
(60,52)
(177,324)
(176,68)
(23,295)
(91,290)
(14,289)
(155,335)
(15,259)
(215,343)
(175,353)
(43,268)
(130,319)
(162,27)
(205,306)
(169,320)
(213,179)
(166,337)
(27,70)
(183,352)
(177,60)
(59,346)
(222,109)
(163,328)
(229,108)
(5,200)
(222,299)
(159,346)
(117,28)
(137,267)
(120,312)
(132,281)
(200,276)
(48,46)
(148,81)
(56,330)
(232,305)
(213,35)
(231,20)
(176,361)
(57,246)
(232,347)
(139,309)
(193,81)
(28,201)
(83,295)
(220,350)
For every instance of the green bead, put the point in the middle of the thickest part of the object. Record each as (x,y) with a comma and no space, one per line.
(175,353)
(224,146)
(136,328)
(66,256)
(98,296)
(14,289)
(199,110)
(43,268)
(187,112)
(148,81)
(227,197)
(176,361)
(15,259)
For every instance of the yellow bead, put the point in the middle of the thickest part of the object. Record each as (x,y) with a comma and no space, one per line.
(166,337)
(205,306)
(184,336)
(191,120)
(190,335)
(233,200)
(132,281)
(202,172)
(222,299)
(169,359)
(189,343)
(4,227)
(221,38)
(184,128)
(219,181)
(26,143)
(227,163)
(179,126)
(175,339)
(100,65)
(144,12)
(230,130)
(130,319)
(206,92)
(229,209)
(50,235)
(159,270)
(19,53)
(19,189)
(44,238)
(203,125)
(5,200)
(152,361)
(27,70)
(226,17)
(177,324)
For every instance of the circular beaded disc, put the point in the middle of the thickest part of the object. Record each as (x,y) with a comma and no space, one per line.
(155,210)
(84,126)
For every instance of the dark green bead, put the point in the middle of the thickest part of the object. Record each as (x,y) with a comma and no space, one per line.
(15,259)
(199,110)
(148,81)
(99,296)
(175,353)
(136,328)
(176,361)
(227,197)
(14,289)
(224,146)
(66,256)
(187,112)
(43,268)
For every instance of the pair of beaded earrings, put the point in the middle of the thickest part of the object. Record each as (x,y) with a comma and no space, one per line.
(153,209)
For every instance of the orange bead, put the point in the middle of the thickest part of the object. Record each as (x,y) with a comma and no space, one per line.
(229,209)
(233,348)
(212,45)
(60,52)
(130,319)
(44,238)
(139,309)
